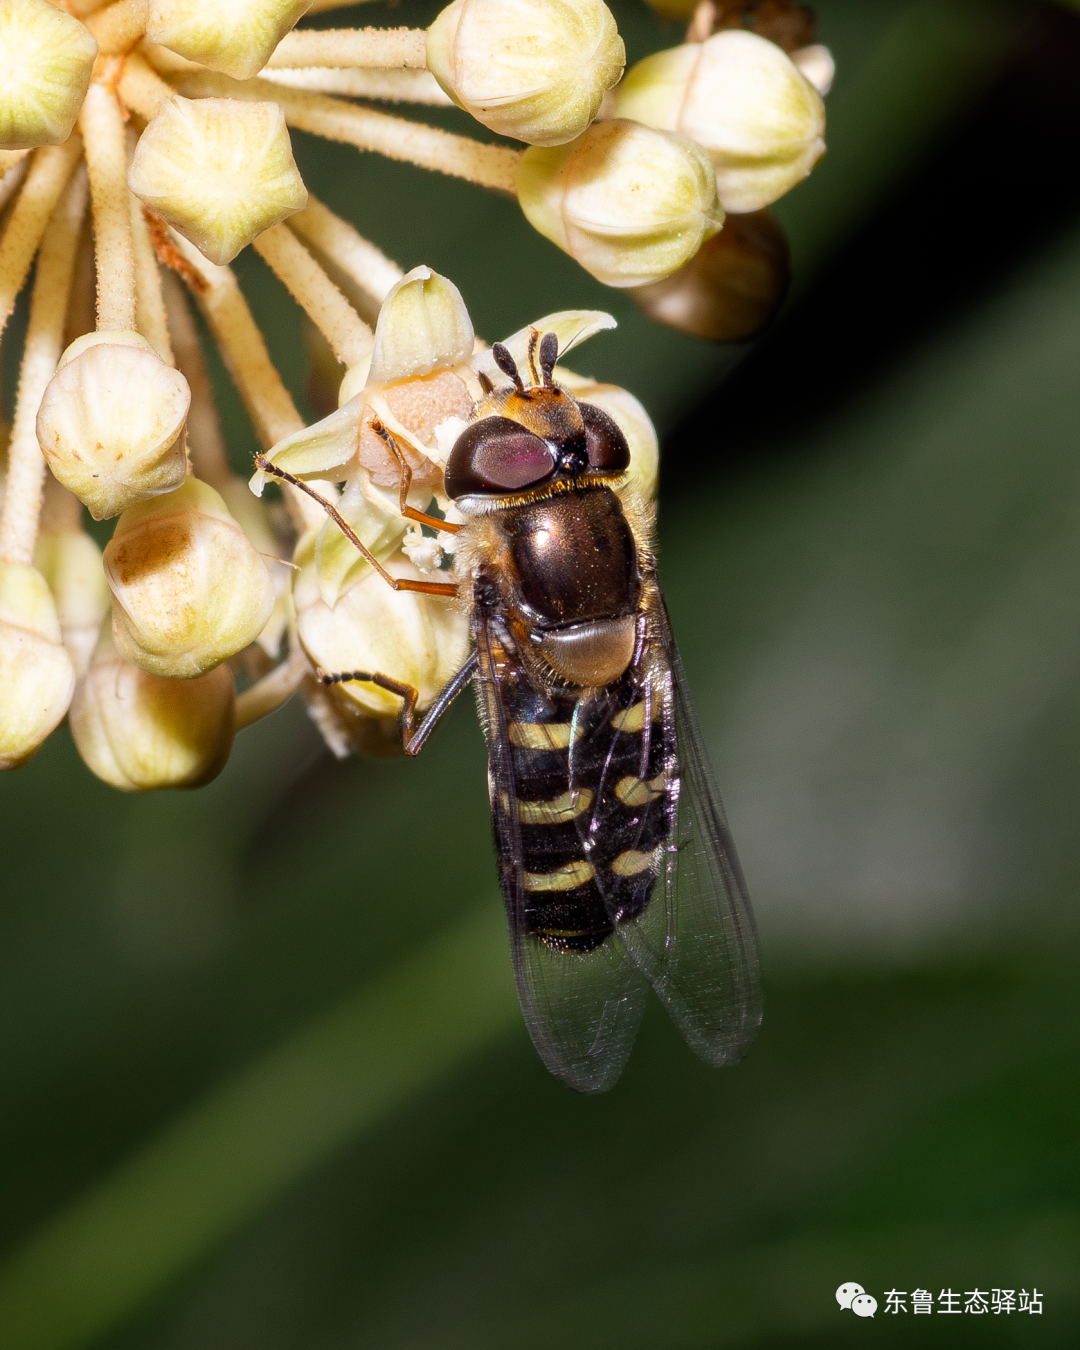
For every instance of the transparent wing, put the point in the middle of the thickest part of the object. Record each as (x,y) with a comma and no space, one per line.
(582,1010)
(697,944)
(581,993)
(665,858)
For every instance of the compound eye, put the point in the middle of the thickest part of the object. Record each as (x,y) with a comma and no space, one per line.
(497,455)
(608,450)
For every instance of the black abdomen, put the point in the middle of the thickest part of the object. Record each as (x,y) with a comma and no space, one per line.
(588,845)
(575,557)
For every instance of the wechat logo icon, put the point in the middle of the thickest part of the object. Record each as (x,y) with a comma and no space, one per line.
(855,1297)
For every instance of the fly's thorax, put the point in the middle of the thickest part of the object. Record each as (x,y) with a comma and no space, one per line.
(564,574)
(574,557)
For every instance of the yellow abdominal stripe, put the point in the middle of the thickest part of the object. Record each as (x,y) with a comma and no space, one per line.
(541,735)
(633,719)
(639,792)
(567,807)
(632,862)
(567,878)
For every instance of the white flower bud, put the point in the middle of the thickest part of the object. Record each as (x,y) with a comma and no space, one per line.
(139,732)
(534,69)
(732,286)
(418,639)
(189,588)
(110,422)
(233,36)
(36,675)
(219,170)
(70,562)
(743,99)
(46,60)
(817,64)
(629,203)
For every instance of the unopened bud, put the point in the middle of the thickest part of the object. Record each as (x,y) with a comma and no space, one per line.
(631,204)
(70,562)
(421,640)
(235,38)
(139,732)
(46,60)
(219,170)
(817,64)
(534,69)
(745,101)
(189,588)
(36,675)
(732,286)
(111,420)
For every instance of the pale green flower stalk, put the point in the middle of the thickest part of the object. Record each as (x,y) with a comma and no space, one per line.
(170,121)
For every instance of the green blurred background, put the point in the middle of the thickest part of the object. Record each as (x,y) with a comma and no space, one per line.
(264,1081)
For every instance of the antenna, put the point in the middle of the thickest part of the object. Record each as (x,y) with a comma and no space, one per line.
(549,354)
(505,362)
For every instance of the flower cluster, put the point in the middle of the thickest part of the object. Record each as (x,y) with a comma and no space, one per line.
(143,145)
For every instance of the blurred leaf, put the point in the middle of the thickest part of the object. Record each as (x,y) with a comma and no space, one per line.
(237,1150)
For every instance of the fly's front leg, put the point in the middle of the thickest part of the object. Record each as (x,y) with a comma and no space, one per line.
(405,483)
(396,583)
(412,736)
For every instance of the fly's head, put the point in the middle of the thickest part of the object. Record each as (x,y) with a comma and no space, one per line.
(532,440)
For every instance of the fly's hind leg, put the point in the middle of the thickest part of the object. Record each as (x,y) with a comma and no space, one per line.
(413,737)
(396,583)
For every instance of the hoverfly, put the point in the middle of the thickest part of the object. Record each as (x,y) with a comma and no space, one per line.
(617,867)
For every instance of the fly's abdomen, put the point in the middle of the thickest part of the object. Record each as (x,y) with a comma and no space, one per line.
(636,773)
(592,798)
